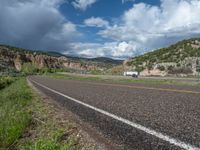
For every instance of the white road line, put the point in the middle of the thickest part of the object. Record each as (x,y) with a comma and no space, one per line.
(159,135)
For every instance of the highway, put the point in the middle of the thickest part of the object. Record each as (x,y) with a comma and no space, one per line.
(137,116)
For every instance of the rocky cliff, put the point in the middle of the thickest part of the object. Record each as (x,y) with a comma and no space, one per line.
(14,58)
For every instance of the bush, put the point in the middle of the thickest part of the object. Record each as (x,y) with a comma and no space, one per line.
(149,66)
(118,70)
(29,69)
(182,70)
(170,68)
(139,69)
(5,81)
(161,68)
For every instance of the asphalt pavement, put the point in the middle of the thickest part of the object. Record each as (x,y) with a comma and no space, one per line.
(137,116)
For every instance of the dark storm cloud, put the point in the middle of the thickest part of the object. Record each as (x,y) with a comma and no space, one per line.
(35,24)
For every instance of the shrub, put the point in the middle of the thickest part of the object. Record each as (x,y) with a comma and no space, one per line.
(161,68)
(5,81)
(139,69)
(29,68)
(118,70)
(170,68)
(181,70)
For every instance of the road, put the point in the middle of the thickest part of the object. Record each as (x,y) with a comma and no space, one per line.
(137,116)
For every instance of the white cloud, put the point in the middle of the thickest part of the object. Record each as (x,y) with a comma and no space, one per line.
(110,49)
(96,22)
(39,24)
(157,26)
(83,4)
(142,28)
(35,24)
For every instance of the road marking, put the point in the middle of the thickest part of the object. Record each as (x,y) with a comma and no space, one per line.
(146,88)
(159,135)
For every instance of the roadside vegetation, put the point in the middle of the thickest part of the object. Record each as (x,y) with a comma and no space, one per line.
(119,79)
(5,81)
(46,130)
(14,113)
(26,124)
(75,77)
(32,69)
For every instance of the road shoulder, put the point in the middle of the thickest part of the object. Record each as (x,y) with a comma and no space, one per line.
(84,135)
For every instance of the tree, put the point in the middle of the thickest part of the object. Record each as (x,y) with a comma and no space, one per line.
(29,68)
(139,69)
(161,68)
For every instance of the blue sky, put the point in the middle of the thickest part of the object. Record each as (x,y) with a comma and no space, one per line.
(109,10)
(94,28)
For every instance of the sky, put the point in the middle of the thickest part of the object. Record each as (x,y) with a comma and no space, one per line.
(117,29)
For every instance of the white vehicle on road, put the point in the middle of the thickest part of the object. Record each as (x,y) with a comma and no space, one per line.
(131,73)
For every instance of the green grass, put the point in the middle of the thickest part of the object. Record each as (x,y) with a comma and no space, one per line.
(121,80)
(14,114)
(5,81)
(52,142)
(71,77)
(47,131)
(26,124)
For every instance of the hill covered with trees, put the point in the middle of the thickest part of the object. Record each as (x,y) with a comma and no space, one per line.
(182,57)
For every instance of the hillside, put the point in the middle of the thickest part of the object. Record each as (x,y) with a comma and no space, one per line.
(180,58)
(13,58)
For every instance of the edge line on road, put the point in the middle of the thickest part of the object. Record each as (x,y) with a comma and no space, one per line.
(159,135)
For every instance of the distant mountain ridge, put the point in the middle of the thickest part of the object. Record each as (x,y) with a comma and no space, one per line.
(182,57)
(13,57)
(57,54)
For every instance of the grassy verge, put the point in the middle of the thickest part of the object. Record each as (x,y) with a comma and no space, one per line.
(14,113)
(47,130)
(5,81)
(27,124)
(121,80)
(77,77)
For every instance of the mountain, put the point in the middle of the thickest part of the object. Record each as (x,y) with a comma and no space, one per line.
(179,58)
(16,58)
(107,60)
(95,60)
